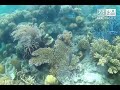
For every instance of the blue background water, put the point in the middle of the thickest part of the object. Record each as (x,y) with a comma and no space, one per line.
(12,8)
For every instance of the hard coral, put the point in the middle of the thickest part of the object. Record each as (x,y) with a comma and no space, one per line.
(116,40)
(66,37)
(16,63)
(41,56)
(100,46)
(50,80)
(79,20)
(58,57)
(83,44)
(5,81)
(72,26)
(107,54)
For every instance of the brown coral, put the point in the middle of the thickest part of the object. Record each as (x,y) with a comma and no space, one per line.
(66,37)
(79,20)
(41,56)
(83,44)
(58,57)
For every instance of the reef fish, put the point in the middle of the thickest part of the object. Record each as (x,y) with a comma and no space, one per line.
(114,32)
(69,58)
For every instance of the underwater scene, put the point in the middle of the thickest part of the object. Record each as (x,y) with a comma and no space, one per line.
(59,44)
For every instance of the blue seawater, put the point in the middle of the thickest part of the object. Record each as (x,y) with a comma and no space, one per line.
(12,8)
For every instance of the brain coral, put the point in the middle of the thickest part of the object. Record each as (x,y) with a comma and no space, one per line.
(83,43)
(50,80)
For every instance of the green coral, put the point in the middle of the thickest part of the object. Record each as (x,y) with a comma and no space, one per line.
(16,63)
(83,43)
(100,46)
(5,81)
(51,80)
(106,54)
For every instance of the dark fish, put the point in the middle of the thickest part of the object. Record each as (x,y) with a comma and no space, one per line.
(113,32)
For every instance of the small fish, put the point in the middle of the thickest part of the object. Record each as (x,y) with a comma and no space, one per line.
(69,58)
(113,32)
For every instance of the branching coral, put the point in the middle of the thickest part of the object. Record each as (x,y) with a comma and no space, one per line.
(5,81)
(73,26)
(27,80)
(106,54)
(100,46)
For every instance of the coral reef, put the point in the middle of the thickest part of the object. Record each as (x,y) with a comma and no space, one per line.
(50,80)
(5,81)
(66,37)
(28,37)
(45,44)
(80,21)
(16,63)
(116,40)
(41,56)
(107,54)
(55,57)
(73,26)
(83,43)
